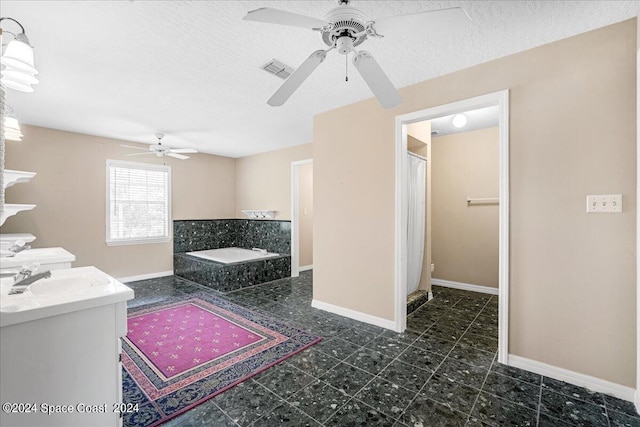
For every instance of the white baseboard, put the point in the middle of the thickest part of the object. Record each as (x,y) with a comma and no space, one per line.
(305,268)
(146,276)
(355,315)
(465,286)
(575,378)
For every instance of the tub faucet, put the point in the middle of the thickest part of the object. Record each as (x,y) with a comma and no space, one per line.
(26,278)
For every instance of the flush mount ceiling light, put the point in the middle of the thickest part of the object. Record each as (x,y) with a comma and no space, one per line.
(12,130)
(19,70)
(459,120)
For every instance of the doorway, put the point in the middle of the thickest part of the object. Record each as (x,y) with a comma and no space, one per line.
(301,216)
(501,100)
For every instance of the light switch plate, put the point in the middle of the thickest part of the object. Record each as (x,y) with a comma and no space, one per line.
(606,203)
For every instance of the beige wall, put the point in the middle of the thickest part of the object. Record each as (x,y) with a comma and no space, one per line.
(69,191)
(465,237)
(419,142)
(263,181)
(572,133)
(305,213)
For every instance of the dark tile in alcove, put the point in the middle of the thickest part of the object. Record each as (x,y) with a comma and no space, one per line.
(386,397)
(444,332)
(497,411)
(319,400)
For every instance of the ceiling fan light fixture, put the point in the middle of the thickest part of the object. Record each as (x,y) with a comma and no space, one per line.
(459,120)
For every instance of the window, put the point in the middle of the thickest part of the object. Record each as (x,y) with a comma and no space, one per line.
(138,203)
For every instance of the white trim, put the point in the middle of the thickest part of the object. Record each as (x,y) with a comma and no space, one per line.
(355,315)
(145,276)
(306,268)
(575,378)
(501,98)
(637,397)
(465,286)
(295,221)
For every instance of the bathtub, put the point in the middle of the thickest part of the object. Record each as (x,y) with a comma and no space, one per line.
(232,255)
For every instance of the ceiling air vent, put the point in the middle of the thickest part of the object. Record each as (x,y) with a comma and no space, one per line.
(278,68)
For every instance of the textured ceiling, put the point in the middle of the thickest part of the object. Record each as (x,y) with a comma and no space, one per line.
(126,69)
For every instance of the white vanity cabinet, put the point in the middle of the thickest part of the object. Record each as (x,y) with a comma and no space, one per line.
(65,360)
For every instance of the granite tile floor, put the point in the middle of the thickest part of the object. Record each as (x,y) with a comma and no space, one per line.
(441,372)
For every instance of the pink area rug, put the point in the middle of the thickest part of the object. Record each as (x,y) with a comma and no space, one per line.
(179,354)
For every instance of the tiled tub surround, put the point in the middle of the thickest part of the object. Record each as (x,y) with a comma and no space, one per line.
(441,372)
(197,235)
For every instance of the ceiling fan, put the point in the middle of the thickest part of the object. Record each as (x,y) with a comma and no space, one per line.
(345,27)
(162,150)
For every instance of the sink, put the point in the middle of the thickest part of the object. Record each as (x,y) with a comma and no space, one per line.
(66,291)
(67,285)
(47,257)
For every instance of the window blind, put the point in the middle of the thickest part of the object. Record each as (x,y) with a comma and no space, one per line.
(138,202)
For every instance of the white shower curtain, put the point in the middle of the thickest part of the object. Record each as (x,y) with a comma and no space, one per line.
(416,182)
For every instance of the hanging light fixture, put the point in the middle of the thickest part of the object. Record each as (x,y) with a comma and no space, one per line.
(12,130)
(19,70)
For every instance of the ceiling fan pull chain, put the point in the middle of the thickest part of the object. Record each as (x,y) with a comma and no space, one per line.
(346,68)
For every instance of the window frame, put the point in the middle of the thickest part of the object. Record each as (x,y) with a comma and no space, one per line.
(141,166)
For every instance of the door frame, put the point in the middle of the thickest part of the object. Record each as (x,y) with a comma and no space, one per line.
(500,98)
(295,217)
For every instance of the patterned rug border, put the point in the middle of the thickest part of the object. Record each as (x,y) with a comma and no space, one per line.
(224,305)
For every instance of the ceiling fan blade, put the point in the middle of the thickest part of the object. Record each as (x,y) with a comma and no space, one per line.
(135,148)
(376,79)
(183,150)
(140,154)
(296,78)
(444,21)
(178,156)
(276,16)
